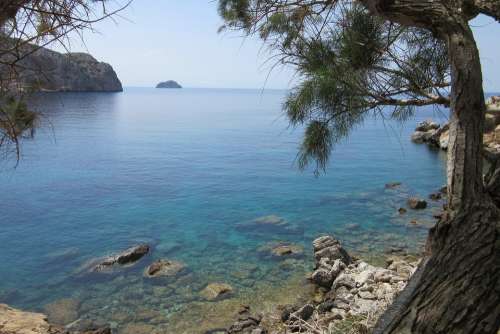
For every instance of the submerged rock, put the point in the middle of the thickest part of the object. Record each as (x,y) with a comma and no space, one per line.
(62,311)
(166,268)
(392,185)
(280,249)
(269,224)
(127,257)
(270,220)
(417,203)
(215,291)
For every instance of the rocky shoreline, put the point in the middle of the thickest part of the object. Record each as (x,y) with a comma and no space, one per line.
(436,135)
(347,292)
(350,295)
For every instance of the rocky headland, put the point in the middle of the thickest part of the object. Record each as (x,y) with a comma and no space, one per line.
(42,69)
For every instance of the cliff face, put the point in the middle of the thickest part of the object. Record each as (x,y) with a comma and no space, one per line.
(47,70)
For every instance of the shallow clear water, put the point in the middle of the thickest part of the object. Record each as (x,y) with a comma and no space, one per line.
(180,169)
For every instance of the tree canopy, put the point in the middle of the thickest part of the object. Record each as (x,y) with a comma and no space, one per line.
(351,64)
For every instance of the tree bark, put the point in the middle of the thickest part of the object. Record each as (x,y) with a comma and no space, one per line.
(465,162)
(457,287)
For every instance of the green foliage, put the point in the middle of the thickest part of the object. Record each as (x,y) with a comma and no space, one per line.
(235,13)
(350,62)
(17,122)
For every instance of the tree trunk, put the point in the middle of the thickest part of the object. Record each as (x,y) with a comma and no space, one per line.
(457,287)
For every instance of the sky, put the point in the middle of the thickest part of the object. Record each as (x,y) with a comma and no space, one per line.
(159,40)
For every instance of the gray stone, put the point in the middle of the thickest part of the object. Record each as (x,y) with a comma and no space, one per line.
(330,248)
(417,203)
(164,268)
(127,257)
(345,281)
(427,125)
(46,70)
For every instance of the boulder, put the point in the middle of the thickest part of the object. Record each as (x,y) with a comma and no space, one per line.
(127,257)
(329,248)
(344,280)
(325,274)
(166,268)
(426,126)
(417,203)
(418,137)
(215,291)
(286,250)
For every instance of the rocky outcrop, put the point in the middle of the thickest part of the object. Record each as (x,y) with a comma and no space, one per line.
(330,259)
(14,321)
(108,264)
(166,268)
(349,289)
(46,70)
(246,323)
(438,136)
(216,291)
(416,203)
(168,84)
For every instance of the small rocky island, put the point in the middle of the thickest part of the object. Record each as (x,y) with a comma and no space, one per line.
(46,70)
(168,84)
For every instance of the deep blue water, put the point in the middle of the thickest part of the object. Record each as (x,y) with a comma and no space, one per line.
(179,169)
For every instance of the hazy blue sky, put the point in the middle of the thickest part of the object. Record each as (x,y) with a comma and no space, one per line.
(178,39)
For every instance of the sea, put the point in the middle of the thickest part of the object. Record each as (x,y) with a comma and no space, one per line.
(191,173)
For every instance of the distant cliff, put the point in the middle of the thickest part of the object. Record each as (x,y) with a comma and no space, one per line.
(47,70)
(168,84)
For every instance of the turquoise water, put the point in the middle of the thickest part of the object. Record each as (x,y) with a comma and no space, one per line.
(180,169)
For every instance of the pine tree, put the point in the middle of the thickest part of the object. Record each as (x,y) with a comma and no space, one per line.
(389,57)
